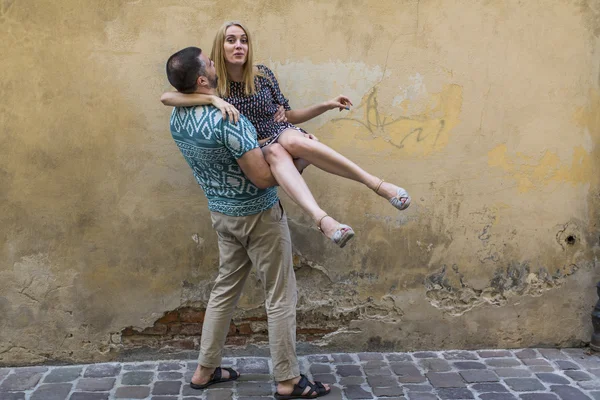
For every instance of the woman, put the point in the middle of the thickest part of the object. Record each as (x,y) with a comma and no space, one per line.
(254,91)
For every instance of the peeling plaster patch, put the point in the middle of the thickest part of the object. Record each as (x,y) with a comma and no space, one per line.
(447,291)
(198,240)
(531,173)
(411,92)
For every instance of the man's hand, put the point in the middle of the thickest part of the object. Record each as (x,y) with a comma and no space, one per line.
(280,115)
(341,102)
(226,109)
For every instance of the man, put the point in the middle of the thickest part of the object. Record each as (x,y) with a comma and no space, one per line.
(251,226)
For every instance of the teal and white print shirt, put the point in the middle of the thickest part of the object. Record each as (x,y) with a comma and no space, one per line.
(211,146)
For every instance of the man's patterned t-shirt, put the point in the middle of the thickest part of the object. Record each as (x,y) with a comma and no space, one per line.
(211,146)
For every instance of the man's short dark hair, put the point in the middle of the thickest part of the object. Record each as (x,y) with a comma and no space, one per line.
(184,68)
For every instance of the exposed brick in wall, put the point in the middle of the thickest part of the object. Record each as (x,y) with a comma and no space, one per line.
(181,329)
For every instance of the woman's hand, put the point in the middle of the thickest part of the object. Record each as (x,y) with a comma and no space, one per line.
(226,109)
(341,102)
(280,115)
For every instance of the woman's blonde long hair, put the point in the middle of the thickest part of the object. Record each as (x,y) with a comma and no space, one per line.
(218,56)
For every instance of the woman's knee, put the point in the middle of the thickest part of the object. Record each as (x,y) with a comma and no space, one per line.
(275,153)
(293,142)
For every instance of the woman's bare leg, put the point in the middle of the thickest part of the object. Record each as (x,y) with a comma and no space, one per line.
(290,180)
(329,160)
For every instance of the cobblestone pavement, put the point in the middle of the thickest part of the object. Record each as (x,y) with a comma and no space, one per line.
(528,374)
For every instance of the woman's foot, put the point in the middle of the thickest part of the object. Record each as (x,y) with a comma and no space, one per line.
(338,233)
(397,196)
(300,387)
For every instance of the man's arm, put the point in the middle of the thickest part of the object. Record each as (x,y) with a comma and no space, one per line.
(255,167)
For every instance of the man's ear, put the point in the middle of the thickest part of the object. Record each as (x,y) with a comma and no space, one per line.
(202,81)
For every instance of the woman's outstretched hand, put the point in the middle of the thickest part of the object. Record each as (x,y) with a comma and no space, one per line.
(226,109)
(341,102)
(280,115)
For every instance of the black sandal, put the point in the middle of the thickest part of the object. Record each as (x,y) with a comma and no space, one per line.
(316,390)
(216,378)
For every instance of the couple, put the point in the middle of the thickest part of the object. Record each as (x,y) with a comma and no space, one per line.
(238,164)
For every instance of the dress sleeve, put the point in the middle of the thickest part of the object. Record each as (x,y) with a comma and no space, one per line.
(237,138)
(274,86)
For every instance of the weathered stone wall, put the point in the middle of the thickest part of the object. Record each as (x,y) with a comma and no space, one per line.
(488,112)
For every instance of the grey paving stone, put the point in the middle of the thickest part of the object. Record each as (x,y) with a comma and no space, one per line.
(192,398)
(52,391)
(524,384)
(164,398)
(373,364)
(342,358)
(512,372)
(553,378)
(169,376)
(254,389)
(219,394)
(95,384)
(348,370)
(61,375)
(318,359)
(455,393)
(171,366)
(102,370)
(566,365)
(538,396)
(578,375)
(137,378)
(32,369)
(166,388)
(469,365)
(460,355)
(503,362)
(418,387)
(352,380)
(139,367)
(540,368)
(589,385)
(89,396)
(20,380)
(320,369)
(422,396)
(387,391)
(378,371)
(527,353)
(494,353)
(407,372)
(12,395)
(497,396)
(132,392)
(474,376)
(357,392)
(370,356)
(255,378)
(595,395)
(489,387)
(382,381)
(553,354)
(588,361)
(335,394)
(325,378)
(445,379)
(435,365)
(253,365)
(566,392)
(535,361)
(398,357)
(425,354)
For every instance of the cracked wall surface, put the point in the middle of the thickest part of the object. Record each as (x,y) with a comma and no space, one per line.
(489,114)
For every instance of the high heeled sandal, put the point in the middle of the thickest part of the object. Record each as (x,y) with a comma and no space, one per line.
(342,234)
(396,200)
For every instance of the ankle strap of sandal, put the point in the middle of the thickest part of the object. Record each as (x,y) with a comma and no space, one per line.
(378,186)
(319,222)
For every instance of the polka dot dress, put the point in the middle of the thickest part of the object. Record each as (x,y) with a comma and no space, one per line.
(260,108)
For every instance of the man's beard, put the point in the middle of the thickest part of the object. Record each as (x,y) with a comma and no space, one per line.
(213,82)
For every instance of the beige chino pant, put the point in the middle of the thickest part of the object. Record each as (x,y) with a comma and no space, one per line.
(262,240)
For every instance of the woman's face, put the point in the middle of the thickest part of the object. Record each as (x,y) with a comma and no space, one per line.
(236,45)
